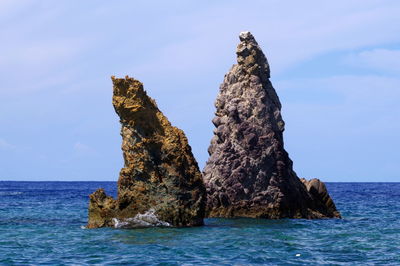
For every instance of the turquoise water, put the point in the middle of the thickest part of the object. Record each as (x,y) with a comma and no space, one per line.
(42,223)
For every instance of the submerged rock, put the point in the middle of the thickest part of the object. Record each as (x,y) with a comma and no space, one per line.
(249,173)
(160,183)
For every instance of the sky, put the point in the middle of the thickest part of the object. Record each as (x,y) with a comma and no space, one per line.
(334,64)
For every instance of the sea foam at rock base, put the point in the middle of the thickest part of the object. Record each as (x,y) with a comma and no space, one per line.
(147,219)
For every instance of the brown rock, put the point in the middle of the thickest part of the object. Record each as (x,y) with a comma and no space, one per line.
(318,190)
(160,182)
(249,173)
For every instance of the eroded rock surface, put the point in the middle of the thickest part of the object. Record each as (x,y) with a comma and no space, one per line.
(160,177)
(319,192)
(249,173)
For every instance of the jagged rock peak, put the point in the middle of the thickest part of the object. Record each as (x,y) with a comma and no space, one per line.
(246,36)
(249,173)
(251,57)
(160,180)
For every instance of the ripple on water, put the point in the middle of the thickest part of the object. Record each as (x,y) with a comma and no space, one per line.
(10,193)
(43,225)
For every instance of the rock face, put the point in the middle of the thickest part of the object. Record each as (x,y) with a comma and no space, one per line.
(249,173)
(160,183)
(319,192)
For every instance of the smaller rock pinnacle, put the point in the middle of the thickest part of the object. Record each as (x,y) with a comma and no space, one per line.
(160,177)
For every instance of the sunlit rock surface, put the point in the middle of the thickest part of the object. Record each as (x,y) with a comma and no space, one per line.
(160,176)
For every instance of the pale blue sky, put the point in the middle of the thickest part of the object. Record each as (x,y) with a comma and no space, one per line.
(334,64)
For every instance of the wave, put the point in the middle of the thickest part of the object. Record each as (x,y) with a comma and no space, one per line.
(148,219)
(10,193)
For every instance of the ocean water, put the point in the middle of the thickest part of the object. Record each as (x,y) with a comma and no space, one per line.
(43,223)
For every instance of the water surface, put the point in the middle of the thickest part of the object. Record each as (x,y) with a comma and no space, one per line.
(42,223)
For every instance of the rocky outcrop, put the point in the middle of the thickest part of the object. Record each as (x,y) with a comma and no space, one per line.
(249,173)
(160,183)
(319,192)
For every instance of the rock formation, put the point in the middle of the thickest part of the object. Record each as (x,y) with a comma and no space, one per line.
(319,192)
(249,173)
(160,183)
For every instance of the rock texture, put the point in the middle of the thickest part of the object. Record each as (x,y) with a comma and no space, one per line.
(319,192)
(249,173)
(160,175)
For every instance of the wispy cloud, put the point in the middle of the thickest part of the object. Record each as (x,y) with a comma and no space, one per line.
(33,53)
(82,149)
(350,137)
(309,29)
(378,59)
(40,55)
(8,7)
(4,145)
(369,96)
(195,40)
(57,56)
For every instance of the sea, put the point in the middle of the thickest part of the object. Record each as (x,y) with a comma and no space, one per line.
(43,223)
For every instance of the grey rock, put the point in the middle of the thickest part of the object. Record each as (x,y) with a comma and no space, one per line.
(249,173)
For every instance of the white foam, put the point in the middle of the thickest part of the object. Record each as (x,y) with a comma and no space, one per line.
(83,227)
(147,219)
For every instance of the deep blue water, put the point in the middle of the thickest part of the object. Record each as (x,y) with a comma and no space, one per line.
(42,223)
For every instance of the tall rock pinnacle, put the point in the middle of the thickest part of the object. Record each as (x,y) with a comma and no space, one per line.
(249,173)
(160,183)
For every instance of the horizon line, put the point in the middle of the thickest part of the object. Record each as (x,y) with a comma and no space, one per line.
(117,181)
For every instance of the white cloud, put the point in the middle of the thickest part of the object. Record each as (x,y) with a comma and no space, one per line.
(8,7)
(35,51)
(83,149)
(375,97)
(42,53)
(346,107)
(342,128)
(197,39)
(4,145)
(379,59)
(181,50)
(289,34)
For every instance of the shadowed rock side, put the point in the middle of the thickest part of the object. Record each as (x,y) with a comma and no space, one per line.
(319,192)
(160,175)
(249,173)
